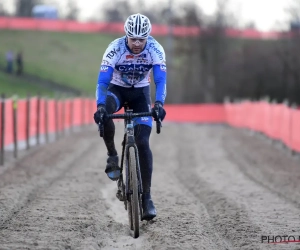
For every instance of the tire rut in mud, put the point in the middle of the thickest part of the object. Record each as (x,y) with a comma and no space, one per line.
(203,197)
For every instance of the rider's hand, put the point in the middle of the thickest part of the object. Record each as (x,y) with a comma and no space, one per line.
(100,114)
(158,111)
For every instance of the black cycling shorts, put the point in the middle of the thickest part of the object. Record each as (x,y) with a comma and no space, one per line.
(137,99)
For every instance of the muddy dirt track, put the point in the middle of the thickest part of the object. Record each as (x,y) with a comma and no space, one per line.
(214,188)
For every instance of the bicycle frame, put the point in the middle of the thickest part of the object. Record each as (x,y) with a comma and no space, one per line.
(133,187)
(128,142)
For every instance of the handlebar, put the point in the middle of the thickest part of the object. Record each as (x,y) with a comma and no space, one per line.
(129,116)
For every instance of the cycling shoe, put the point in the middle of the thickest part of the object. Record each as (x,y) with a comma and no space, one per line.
(112,170)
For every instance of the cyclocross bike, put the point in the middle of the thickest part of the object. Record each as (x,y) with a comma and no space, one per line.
(130,191)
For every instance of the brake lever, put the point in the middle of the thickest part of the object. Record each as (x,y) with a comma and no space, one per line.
(158,124)
(101,129)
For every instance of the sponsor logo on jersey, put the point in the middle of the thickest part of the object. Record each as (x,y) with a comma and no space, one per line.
(103,68)
(145,119)
(142,61)
(105,62)
(159,53)
(133,73)
(139,56)
(164,94)
(142,56)
(133,68)
(112,53)
(163,67)
(127,61)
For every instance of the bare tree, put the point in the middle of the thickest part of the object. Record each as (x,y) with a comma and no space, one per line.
(73,10)
(293,11)
(24,7)
(157,14)
(212,66)
(199,76)
(119,14)
(3,11)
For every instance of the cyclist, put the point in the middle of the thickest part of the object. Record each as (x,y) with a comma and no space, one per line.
(124,78)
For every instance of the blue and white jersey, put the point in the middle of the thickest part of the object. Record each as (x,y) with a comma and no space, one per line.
(121,67)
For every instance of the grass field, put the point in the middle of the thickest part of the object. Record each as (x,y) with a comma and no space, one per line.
(73,59)
(68,58)
(10,85)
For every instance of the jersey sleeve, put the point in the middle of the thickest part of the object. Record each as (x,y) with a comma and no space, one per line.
(158,54)
(110,56)
(106,71)
(159,72)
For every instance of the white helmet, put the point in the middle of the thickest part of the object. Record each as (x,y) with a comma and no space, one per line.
(137,26)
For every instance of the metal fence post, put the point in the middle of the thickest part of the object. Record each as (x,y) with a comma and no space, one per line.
(82,112)
(63,126)
(2,129)
(56,118)
(46,121)
(38,120)
(27,126)
(15,123)
(71,115)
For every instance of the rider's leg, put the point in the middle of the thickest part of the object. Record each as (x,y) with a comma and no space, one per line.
(142,134)
(109,127)
(141,102)
(112,166)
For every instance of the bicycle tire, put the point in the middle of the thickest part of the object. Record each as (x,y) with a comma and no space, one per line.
(129,210)
(129,198)
(134,197)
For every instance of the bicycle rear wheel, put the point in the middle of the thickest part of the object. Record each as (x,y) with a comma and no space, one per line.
(133,204)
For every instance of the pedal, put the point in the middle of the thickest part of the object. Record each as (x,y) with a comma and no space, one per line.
(119,195)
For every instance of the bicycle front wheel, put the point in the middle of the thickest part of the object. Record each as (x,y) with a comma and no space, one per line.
(134,197)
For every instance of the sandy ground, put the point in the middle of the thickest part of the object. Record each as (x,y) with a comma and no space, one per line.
(214,188)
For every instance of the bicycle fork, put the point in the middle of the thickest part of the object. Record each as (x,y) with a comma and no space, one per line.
(140,186)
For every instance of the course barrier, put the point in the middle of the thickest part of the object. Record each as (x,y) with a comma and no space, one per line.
(276,121)
(13,23)
(21,120)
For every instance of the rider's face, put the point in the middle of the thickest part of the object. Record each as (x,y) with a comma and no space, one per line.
(136,44)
